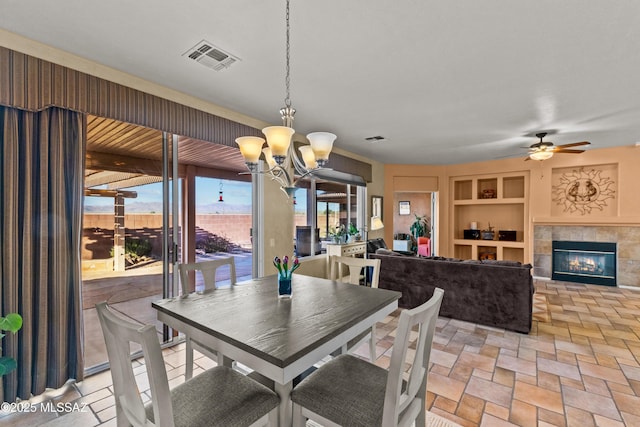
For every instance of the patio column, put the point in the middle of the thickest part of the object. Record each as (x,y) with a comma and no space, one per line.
(118,233)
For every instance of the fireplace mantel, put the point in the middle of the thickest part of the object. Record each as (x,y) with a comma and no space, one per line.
(578,222)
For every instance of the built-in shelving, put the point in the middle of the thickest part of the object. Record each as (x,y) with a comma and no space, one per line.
(499,201)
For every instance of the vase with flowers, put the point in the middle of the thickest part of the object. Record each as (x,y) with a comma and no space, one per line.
(339,234)
(285,271)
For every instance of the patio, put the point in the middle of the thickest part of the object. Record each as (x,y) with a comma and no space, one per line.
(131,293)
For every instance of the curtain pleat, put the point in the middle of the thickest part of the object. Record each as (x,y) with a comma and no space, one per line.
(40,234)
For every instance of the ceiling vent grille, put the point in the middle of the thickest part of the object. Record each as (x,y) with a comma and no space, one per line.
(211,56)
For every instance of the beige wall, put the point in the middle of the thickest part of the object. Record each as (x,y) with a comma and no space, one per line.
(398,178)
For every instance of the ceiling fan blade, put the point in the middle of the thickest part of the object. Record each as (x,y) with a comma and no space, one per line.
(573,144)
(564,150)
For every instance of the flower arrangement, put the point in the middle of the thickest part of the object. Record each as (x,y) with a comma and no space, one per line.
(339,233)
(284,270)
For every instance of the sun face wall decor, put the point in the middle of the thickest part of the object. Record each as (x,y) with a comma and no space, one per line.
(584,191)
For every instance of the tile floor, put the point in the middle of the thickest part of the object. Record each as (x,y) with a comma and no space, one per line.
(579,366)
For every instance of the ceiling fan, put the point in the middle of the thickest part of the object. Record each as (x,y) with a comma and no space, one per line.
(544,150)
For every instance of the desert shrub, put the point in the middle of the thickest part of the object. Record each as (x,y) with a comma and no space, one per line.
(214,243)
(135,250)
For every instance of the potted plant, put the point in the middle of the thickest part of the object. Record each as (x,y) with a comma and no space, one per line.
(12,323)
(354,233)
(420,227)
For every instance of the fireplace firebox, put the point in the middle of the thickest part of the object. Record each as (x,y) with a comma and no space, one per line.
(584,262)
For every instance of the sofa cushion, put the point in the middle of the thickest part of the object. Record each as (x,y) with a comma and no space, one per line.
(384,251)
(506,263)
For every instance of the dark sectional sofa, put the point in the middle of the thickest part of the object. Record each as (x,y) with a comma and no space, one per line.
(492,293)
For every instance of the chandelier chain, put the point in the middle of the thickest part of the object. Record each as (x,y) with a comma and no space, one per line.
(287,99)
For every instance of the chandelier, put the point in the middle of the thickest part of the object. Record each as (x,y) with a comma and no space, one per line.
(280,154)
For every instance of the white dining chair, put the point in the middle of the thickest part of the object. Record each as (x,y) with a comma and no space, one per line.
(219,396)
(349,391)
(208,270)
(355,276)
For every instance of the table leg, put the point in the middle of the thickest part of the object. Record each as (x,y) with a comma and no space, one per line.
(285,411)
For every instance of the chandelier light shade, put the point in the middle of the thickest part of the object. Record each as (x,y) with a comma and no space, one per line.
(280,154)
(278,139)
(321,144)
(250,148)
(376,223)
(541,155)
(308,157)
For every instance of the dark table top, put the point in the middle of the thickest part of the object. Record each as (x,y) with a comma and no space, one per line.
(250,315)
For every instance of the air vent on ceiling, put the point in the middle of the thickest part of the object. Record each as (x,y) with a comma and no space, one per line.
(376,138)
(211,56)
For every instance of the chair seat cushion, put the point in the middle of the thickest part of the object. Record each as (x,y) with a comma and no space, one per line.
(219,397)
(347,390)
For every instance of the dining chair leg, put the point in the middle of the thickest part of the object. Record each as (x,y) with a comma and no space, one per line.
(298,419)
(372,345)
(273,417)
(188,369)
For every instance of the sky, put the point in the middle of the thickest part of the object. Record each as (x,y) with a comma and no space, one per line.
(236,194)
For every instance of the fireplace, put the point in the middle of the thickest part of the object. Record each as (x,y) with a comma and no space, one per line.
(584,262)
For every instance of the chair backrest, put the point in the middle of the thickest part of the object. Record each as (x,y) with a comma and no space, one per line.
(208,270)
(355,265)
(119,332)
(411,400)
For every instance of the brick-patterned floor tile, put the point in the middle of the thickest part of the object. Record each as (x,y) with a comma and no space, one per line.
(558,368)
(504,376)
(551,418)
(490,391)
(578,417)
(497,410)
(470,408)
(548,381)
(590,402)
(523,414)
(517,365)
(445,404)
(609,374)
(538,396)
(626,403)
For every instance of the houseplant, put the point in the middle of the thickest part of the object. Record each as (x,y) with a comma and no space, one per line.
(420,227)
(12,323)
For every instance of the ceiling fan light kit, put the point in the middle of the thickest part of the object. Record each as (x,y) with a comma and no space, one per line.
(544,150)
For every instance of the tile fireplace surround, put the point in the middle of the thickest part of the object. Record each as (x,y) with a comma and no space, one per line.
(627,238)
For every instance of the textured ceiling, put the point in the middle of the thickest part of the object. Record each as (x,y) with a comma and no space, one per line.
(444,82)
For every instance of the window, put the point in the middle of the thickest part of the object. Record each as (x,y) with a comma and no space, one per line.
(335,204)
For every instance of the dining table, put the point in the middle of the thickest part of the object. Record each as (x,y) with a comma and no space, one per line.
(279,338)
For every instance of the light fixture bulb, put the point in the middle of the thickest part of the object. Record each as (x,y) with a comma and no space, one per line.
(269,158)
(308,157)
(278,139)
(321,144)
(250,148)
(541,155)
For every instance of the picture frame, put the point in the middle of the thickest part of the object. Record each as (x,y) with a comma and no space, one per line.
(404,208)
(376,206)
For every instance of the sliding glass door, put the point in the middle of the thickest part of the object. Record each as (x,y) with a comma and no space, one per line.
(131,212)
